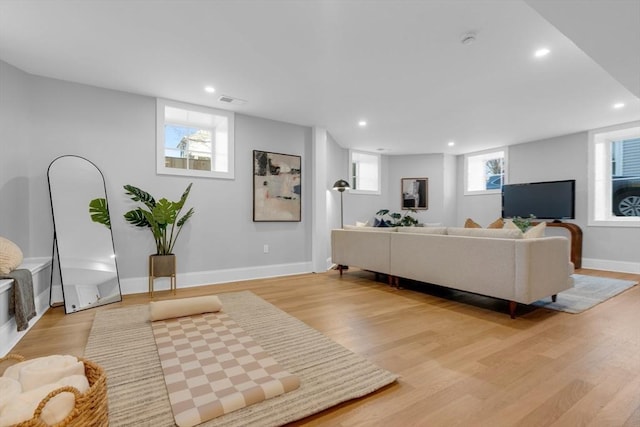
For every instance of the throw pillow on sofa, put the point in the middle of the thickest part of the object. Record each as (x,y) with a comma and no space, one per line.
(532,232)
(10,256)
(498,223)
(380,223)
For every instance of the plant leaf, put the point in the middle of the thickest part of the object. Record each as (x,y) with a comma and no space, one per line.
(185,218)
(183,198)
(137,218)
(138,195)
(382,212)
(99,212)
(164,212)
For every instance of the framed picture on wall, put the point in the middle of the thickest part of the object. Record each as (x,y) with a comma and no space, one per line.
(277,188)
(415,193)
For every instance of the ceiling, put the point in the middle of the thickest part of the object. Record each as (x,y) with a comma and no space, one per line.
(399,65)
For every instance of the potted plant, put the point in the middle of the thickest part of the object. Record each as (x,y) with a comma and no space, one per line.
(396,219)
(523,223)
(163,218)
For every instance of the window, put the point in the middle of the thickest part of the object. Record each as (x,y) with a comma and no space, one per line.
(194,141)
(614,175)
(365,172)
(484,172)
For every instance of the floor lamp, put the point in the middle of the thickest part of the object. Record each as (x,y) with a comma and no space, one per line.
(340,186)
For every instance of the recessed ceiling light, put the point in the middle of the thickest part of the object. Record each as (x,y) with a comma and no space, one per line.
(618,105)
(209,89)
(362,123)
(542,52)
(451,143)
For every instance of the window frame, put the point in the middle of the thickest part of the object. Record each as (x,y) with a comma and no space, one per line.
(161,169)
(351,175)
(600,175)
(484,153)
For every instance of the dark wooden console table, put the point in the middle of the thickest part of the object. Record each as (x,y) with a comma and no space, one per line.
(576,240)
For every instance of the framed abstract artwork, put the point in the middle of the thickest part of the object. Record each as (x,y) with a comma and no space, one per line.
(415,193)
(277,188)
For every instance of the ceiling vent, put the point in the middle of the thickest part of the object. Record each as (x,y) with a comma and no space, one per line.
(231,100)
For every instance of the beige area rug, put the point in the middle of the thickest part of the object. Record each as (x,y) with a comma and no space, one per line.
(122,342)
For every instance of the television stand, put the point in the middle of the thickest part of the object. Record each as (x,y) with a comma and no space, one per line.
(576,239)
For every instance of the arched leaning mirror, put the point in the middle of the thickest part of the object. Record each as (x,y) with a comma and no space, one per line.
(86,255)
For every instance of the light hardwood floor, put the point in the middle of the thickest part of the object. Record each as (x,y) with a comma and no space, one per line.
(463,361)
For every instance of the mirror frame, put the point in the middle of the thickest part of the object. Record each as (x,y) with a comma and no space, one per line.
(55,250)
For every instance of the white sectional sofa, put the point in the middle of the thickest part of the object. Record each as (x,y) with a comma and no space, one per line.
(497,263)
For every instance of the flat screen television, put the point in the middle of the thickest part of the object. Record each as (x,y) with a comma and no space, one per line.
(544,200)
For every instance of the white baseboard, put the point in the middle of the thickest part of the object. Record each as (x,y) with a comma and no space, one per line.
(609,265)
(329,263)
(137,285)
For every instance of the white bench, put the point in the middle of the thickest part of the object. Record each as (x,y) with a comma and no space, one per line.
(41,270)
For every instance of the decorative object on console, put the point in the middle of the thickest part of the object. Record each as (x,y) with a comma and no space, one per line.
(522,223)
(277,188)
(341,185)
(164,221)
(394,219)
(415,193)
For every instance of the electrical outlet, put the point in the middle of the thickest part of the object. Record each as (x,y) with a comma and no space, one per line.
(265,249)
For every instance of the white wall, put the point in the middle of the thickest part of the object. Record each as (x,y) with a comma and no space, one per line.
(559,158)
(429,166)
(362,207)
(14,152)
(116,131)
(337,168)
(439,168)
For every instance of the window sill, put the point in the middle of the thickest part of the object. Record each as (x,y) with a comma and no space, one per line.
(630,222)
(365,192)
(482,192)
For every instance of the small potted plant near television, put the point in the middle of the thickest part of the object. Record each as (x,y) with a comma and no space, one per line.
(163,218)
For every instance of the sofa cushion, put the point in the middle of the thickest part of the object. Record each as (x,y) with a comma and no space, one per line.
(423,230)
(536,231)
(10,256)
(469,223)
(498,223)
(496,233)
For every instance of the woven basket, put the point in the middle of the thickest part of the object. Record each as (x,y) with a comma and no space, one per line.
(91,407)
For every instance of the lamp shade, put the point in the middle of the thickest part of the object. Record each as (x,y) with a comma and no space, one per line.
(341,185)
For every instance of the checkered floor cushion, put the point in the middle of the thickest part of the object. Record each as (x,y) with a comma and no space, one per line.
(212,367)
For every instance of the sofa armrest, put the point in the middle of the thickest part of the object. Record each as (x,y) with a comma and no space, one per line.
(364,249)
(543,268)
